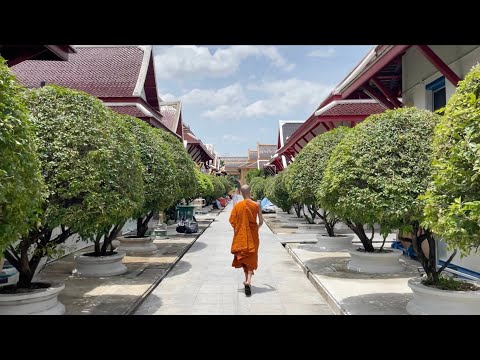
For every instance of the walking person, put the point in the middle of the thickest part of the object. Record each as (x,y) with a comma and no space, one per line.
(245,238)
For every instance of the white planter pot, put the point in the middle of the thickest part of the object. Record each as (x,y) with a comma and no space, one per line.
(311,228)
(431,301)
(335,243)
(137,246)
(36,302)
(92,266)
(376,263)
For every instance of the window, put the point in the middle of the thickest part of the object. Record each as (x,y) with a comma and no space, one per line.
(436,89)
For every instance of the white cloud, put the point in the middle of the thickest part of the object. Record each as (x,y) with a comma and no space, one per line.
(323,53)
(282,98)
(229,138)
(181,61)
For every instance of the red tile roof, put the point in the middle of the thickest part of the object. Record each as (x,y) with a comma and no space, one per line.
(100,71)
(354,108)
(131,110)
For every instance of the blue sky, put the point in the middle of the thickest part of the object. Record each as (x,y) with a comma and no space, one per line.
(234,96)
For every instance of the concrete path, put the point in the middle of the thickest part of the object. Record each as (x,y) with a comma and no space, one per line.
(204,282)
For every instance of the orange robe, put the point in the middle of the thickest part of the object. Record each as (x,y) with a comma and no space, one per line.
(245,238)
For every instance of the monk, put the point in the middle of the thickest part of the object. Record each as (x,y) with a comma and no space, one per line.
(245,238)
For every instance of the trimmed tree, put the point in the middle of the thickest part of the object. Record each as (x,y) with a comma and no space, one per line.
(77,148)
(306,173)
(277,193)
(121,193)
(20,180)
(218,188)
(204,184)
(378,170)
(452,200)
(253,174)
(257,187)
(159,175)
(184,165)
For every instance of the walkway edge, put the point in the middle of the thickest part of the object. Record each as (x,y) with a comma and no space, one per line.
(331,301)
(134,307)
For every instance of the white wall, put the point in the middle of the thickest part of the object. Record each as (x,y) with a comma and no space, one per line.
(417,72)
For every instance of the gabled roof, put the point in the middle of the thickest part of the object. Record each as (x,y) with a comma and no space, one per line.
(266,151)
(195,147)
(172,116)
(15,54)
(248,165)
(102,71)
(286,129)
(252,154)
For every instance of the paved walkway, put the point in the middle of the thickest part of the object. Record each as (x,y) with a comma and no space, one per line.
(203,281)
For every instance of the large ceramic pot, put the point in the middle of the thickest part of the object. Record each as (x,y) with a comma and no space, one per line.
(376,263)
(428,300)
(42,301)
(334,243)
(137,246)
(100,266)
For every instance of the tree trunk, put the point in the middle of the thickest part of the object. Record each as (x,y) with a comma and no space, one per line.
(329,228)
(298,209)
(312,210)
(142,224)
(428,261)
(358,229)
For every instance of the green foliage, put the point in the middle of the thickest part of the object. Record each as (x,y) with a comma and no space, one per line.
(380,167)
(160,174)
(185,167)
(90,161)
(257,187)
(20,180)
(276,192)
(226,183)
(305,174)
(204,184)
(452,199)
(252,174)
(218,188)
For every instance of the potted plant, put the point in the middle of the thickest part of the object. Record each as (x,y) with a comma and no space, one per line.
(159,184)
(277,193)
(374,175)
(120,195)
(452,205)
(257,186)
(302,180)
(20,180)
(73,134)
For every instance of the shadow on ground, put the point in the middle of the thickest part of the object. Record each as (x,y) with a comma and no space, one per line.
(180,268)
(377,304)
(336,267)
(197,246)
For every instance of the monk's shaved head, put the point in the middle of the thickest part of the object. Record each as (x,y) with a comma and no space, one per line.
(245,189)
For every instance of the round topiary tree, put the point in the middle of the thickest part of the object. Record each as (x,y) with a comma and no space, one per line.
(20,180)
(305,174)
(378,170)
(277,193)
(90,169)
(218,188)
(226,184)
(204,185)
(257,186)
(185,167)
(452,200)
(122,190)
(252,174)
(160,173)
